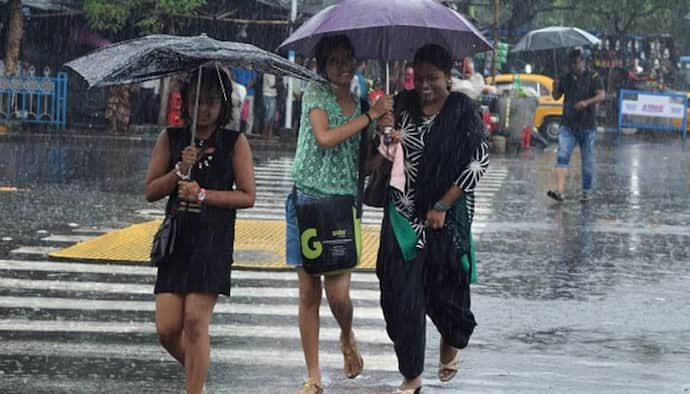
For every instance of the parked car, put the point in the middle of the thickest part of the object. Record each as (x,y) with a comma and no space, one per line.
(547,117)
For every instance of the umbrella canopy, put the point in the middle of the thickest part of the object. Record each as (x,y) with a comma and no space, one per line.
(156,56)
(553,38)
(390,29)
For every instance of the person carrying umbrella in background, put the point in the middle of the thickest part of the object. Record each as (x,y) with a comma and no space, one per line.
(327,164)
(426,255)
(206,183)
(583,90)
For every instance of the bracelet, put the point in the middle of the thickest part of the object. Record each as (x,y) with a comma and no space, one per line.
(179,174)
(441,206)
(201,196)
(368,117)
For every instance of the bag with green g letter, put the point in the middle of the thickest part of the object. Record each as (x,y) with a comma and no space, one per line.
(330,235)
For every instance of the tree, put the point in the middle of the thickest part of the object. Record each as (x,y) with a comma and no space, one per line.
(623,16)
(14,35)
(147,16)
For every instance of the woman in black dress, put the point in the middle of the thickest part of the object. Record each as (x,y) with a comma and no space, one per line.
(221,181)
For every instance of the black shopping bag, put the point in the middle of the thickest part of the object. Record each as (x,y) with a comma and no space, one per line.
(330,234)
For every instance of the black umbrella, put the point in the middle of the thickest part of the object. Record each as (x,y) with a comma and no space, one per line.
(156,56)
(553,38)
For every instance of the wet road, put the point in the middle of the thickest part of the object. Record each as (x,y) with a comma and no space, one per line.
(570,299)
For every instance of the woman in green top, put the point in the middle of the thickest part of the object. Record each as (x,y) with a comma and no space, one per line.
(326,164)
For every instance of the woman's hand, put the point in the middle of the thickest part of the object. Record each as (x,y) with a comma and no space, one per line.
(435,220)
(188,191)
(386,120)
(382,106)
(189,158)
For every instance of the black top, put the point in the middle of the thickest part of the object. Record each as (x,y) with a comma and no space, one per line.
(200,262)
(578,88)
(447,144)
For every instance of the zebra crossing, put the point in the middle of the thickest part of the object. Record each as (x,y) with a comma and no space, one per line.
(69,315)
(52,313)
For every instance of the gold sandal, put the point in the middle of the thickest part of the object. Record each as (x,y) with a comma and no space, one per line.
(350,353)
(309,385)
(447,371)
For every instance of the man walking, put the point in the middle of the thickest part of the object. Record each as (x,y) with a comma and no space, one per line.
(583,90)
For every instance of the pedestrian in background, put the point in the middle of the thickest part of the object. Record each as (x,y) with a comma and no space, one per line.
(327,164)
(247,78)
(426,254)
(239,94)
(118,107)
(205,182)
(583,90)
(269,97)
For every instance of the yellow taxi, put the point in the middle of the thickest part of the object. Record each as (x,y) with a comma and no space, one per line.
(547,117)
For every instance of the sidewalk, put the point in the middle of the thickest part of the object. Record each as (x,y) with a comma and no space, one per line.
(259,244)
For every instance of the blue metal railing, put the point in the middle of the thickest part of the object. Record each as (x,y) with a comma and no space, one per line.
(41,100)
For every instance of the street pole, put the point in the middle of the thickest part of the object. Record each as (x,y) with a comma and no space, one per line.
(291,57)
(493,62)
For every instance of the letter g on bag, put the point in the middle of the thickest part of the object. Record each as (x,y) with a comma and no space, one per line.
(310,249)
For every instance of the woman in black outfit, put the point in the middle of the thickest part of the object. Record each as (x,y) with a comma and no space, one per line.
(426,256)
(205,202)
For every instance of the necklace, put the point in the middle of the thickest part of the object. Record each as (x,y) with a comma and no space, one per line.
(206,158)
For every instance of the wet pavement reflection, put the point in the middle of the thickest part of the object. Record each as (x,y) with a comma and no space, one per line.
(571,298)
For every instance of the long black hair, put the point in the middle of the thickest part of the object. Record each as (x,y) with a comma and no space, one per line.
(326,45)
(436,55)
(213,81)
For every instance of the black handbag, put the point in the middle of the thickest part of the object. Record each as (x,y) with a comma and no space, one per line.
(329,232)
(376,184)
(164,240)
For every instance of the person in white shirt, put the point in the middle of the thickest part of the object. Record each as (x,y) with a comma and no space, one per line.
(239,93)
(270,93)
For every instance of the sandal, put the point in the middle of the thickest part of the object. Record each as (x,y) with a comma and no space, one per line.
(351,353)
(310,386)
(558,196)
(449,369)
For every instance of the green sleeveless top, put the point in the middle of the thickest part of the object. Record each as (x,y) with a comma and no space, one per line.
(323,172)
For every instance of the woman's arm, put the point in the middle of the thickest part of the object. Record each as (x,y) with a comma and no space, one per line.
(328,137)
(159,180)
(466,183)
(244,194)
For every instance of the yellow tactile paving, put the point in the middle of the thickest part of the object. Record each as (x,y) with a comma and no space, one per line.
(259,244)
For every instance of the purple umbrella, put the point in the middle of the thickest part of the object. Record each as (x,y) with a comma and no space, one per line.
(390,29)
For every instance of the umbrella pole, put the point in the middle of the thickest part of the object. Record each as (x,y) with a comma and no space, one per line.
(555,65)
(196,113)
(196,106)
(388,78)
